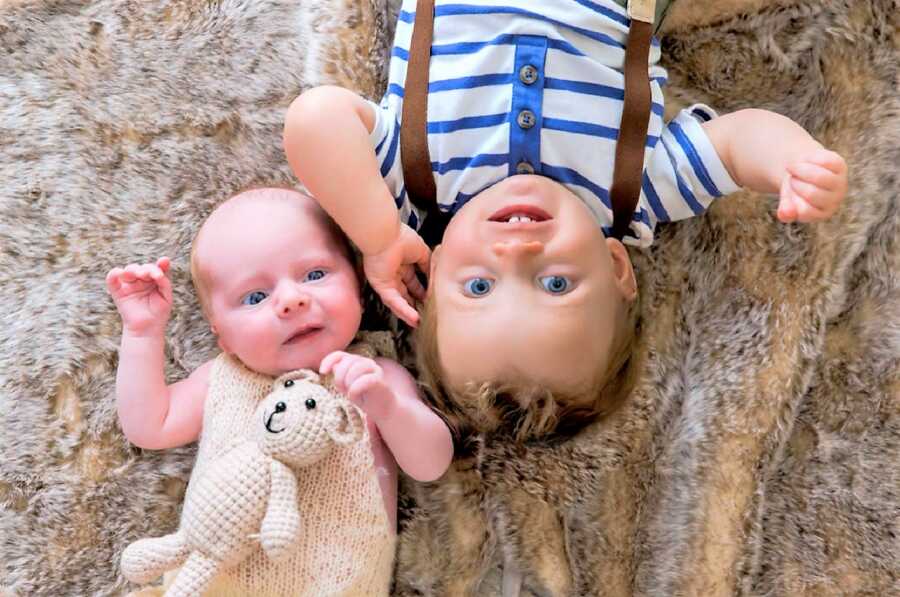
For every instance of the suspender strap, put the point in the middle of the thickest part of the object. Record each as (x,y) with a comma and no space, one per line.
(417,175)
(629,160)
(629,164)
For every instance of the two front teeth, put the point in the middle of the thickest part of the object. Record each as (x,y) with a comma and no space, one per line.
(514,219)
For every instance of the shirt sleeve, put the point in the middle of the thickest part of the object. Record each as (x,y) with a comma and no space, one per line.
(684,174)
(385,140)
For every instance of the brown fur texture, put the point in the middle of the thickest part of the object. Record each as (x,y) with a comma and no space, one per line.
(758,454)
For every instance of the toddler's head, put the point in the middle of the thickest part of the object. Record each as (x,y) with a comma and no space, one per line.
(527,298)
(276,279)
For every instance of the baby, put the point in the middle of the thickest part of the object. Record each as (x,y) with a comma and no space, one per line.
(277,282)
(524,103)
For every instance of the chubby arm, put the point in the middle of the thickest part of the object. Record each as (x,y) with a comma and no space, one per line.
(770,153)
(326,140)
(417,437)
(152,415)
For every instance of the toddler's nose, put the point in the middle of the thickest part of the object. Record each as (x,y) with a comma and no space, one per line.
(517,248)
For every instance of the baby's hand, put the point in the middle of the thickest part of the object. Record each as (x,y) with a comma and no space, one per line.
(813,188)
(392,273)
(362,381)
(143,296)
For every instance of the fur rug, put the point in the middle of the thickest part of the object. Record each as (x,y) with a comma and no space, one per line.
(758,454)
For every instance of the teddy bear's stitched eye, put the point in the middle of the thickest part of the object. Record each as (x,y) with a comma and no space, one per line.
(280,407)
(289,383)
(310,404)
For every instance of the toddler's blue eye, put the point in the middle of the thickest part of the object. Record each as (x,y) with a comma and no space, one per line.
(316,274)
(555,284)
(254,298)
(477,286)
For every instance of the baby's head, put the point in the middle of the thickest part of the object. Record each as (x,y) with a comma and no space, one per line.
(527,297)
(277,280)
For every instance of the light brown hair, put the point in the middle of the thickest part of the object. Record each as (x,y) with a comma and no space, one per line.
(525,410)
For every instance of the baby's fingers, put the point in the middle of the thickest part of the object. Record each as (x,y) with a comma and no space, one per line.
(820,200)
(815,174)
(411,281)
(787,211)
(830,160)
(807,212)
(114,280)
(399,305)
(330,360)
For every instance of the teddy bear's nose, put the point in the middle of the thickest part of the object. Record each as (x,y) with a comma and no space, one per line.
(280,407)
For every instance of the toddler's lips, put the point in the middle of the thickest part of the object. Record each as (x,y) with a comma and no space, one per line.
(520,214)
(303,333)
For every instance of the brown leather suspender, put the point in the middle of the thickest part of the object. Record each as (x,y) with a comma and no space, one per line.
(628,172)
(417,175)
(629,159)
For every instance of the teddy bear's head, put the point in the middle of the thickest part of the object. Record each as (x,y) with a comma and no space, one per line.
(301,421)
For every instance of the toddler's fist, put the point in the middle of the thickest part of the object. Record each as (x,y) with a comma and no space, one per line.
(813,188)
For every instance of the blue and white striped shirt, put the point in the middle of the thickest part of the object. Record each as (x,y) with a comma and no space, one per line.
(516,85)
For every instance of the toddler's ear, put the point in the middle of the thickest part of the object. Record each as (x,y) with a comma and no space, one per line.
(622,270)
(432,268)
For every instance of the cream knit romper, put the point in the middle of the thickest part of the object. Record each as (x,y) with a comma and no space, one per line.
(347,544)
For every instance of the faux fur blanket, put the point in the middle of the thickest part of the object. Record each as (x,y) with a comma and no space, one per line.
(758,454)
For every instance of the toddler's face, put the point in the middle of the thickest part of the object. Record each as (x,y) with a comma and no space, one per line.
(526,286)
(282,295)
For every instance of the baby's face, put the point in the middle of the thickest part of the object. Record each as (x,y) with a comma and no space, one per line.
(526,286)
(281,293)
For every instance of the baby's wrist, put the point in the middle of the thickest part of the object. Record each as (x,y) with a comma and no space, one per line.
(384,241)
(152,333)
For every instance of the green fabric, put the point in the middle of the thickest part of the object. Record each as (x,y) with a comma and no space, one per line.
(661,7)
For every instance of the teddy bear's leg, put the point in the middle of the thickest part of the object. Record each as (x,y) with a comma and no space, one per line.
(194,577)
(147,559)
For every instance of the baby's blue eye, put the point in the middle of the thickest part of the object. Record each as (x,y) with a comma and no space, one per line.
(254,298)
(316,274)
(477,286)
(555,284)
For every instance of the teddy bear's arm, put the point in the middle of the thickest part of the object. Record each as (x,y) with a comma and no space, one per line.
(280,527)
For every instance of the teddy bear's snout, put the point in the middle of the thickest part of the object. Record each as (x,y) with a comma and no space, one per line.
(270,418)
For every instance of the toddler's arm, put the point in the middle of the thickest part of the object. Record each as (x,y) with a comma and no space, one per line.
(419,439)
(326,140)
(152,415)
(770,153)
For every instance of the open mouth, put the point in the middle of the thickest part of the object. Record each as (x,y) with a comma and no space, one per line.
(303,334)
(520,214)
(269,424)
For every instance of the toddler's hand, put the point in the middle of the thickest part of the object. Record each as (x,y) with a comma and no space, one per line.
(143,296)
(813,188)
(392,273)
(362,381)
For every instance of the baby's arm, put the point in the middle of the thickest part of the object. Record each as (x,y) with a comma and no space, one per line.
(770,153)
(152,415)
(326,140)
(419,439)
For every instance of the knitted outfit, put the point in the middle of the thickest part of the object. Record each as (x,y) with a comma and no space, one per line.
(347,544)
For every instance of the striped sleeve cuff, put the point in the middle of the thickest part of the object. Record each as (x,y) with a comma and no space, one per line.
(707,165)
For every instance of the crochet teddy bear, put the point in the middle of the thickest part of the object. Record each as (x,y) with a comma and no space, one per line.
(248,496)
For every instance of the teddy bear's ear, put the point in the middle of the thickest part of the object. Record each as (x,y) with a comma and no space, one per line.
(347,426)
(298,375)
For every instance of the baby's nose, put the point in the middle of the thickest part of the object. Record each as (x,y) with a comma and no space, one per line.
(517,248)
(289,301)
